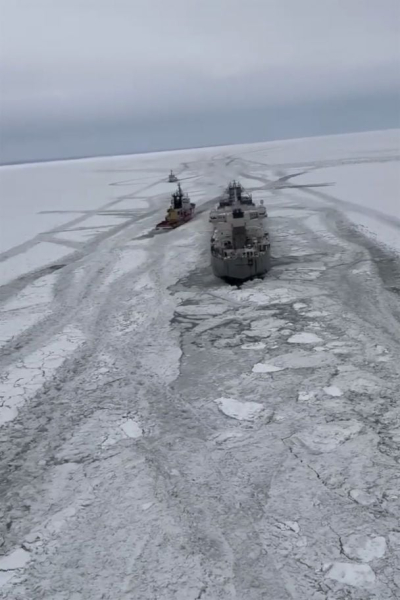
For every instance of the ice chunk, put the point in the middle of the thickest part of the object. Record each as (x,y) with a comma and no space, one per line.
(266,368)
(352,574)
(254,346)
(265,327)
(303,360)
(16,560)
(304,338)
(291,525)
(132,429)
(365,548)
(305,396)
(362,497)
(198,310)
(299,305)
(10,564)
(332,390)
(242,411)
(326,437)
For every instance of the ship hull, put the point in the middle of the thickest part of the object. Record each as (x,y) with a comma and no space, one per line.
(241,268)
(166,224)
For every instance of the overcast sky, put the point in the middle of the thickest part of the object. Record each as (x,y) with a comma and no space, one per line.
(83,77)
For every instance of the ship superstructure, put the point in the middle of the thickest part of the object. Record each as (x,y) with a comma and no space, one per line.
(240,246)
(172,178)
(180,211)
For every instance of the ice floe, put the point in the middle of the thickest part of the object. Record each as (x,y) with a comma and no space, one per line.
(263,295)
(316,313)
(132,429)
(334,391)
(360,382)
(362,497)
(304,338)
(12,563)
(299,305)
(352,574)
(266,368)
(364,547)
(199,310)
(303,396)
(303,360)
(264,328)
(326,437)
(253,346)
(242,411)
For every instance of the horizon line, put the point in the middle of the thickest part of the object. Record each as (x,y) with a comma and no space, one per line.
(181,149)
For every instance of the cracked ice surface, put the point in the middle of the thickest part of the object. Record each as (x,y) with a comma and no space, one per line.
(20,382)
(12,563)
(326,437)
(26,308)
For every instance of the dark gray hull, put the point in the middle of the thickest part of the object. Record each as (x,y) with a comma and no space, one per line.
(240,269)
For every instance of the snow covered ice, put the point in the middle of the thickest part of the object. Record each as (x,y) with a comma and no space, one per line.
(164,435)
(242,411)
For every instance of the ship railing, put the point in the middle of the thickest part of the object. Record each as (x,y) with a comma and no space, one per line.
(215,217)
(227,254)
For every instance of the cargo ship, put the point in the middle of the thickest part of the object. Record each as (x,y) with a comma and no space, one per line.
(240,246)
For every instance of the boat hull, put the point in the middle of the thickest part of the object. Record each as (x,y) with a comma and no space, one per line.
(241,268)
(174,224)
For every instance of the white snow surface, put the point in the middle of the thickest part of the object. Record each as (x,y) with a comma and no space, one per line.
(166,435)
(370,193)
(39,256)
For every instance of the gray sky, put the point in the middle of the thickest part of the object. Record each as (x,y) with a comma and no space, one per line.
(71,68)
